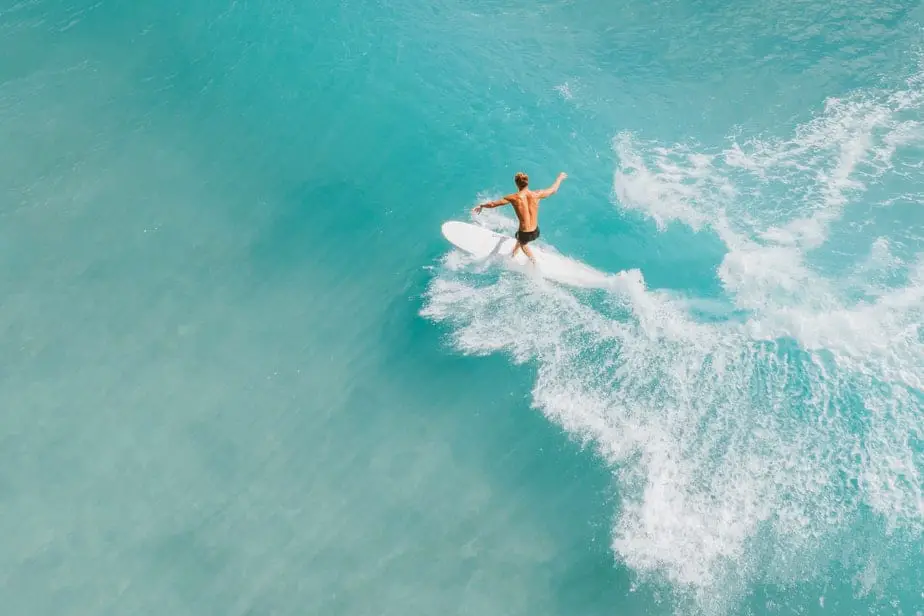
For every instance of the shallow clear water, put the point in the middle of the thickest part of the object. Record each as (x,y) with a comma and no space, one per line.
(241,372)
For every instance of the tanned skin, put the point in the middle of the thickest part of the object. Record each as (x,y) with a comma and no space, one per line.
(525,204)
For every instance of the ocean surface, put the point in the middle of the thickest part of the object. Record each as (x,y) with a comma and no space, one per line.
(242,372)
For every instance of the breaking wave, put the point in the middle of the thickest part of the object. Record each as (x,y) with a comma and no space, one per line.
(744,448)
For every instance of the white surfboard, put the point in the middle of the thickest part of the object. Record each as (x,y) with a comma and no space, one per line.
(485,244)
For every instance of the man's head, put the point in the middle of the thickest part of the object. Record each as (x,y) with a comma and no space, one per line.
(521,180)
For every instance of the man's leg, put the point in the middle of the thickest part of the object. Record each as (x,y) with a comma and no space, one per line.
(525,250)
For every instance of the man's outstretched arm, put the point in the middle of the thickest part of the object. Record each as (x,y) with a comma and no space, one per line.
(491,204)
(551,190)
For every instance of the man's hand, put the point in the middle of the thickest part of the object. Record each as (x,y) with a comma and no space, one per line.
(491,204)
(551,190)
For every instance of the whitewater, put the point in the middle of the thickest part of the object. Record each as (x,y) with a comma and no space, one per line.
(755,435)
(242,372)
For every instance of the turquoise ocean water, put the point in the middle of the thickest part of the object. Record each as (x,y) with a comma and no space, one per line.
(241,372)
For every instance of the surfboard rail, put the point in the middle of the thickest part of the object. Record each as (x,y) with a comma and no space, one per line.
(485,244)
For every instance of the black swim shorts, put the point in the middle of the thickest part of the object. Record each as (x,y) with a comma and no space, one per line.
(525,237)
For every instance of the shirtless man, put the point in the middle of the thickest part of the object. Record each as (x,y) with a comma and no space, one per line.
(525,203)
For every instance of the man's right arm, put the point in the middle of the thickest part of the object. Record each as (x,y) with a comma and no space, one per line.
(551,190)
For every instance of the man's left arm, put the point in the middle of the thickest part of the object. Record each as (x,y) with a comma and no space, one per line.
(491,204)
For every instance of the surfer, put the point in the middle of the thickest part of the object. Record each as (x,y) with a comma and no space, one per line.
(525,204)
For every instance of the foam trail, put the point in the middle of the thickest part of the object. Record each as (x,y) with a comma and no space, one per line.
(576,274)
(745,448)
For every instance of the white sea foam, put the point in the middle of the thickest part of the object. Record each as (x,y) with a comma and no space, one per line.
(743,447)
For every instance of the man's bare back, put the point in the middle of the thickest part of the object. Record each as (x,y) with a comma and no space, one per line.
(525,204)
